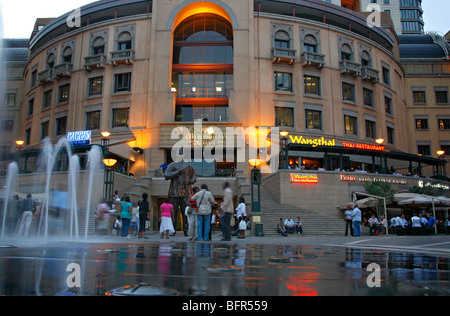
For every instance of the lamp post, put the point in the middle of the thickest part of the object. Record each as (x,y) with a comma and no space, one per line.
(442,168)
(109,162)
(284,150)
(255,180)
(19,144)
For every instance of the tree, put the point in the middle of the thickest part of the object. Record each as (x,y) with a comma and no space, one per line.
(381,189)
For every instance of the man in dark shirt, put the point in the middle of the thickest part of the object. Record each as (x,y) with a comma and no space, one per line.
(28,208)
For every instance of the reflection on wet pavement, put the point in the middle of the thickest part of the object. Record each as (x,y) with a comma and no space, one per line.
(183,268)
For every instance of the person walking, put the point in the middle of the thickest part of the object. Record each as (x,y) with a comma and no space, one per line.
(166,216)
(204,200)
(125,215)
(356,219)
(227,208)
(28,208)
(348,222)
(102,216)
(144,214)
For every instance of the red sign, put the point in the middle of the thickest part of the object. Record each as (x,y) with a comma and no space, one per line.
(304,178)
(363,146)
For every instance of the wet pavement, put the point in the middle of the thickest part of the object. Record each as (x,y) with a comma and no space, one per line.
(255,266)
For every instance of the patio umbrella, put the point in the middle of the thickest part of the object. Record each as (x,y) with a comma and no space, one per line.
(421,201)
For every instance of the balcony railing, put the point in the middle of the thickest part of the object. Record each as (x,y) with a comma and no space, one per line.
(350,67)
(370,74)
(203,93)
(122,56)
(45,76)
(63,70)
(312,59)
(95,61)
(288,55)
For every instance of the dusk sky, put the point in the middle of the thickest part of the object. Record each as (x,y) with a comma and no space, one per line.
(19,15)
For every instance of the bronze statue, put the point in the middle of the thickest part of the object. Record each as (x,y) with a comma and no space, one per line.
(181,175)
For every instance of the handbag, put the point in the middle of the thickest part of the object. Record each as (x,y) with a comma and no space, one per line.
(242,225)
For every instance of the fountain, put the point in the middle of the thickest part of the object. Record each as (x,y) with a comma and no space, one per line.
(66,205)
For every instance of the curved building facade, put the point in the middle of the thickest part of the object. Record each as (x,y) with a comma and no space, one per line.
(145,70)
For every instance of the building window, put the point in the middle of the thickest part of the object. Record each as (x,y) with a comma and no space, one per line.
(444,124)
(93,120)
(122,82)
(284,116)
(10,99)
(311,85)
(446,148)
(44,129)
(61,126)
(63,93)
(30,107)
(124,41)
(421,124)
(98,46)
(283,81)
(368,97)
(351,125)
(7,125)
(424,150)
(419,97)
(441,97)
(28,136)
(371,129)
(386,76)
(96,86)
(348,92)
(313,119)
(67,55)
(33,79)
(120,117)
(189,113)
(388,105)
(47,99)
(390,135)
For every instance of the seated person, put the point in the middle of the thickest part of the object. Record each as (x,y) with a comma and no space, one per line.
(289,225)
(374,225)
(298,226)
(281,229)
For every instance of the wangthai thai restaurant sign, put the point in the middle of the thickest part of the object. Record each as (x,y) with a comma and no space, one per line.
(304,178)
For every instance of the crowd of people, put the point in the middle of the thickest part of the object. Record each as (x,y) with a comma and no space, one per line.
(202,214)
(418,224)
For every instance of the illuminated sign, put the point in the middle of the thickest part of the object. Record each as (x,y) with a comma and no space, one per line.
(304,178)
(352,178)
(79,138)
(435,186)
(314,142)
(363,146)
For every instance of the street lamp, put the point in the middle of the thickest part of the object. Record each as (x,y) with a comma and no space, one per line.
(255,180)
(443,165)
(379,141)
(109,162)
(19,144)
(284,150)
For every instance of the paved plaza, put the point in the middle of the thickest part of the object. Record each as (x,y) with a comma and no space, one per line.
(255,266)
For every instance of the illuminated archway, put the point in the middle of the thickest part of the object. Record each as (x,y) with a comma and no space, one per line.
(192,7)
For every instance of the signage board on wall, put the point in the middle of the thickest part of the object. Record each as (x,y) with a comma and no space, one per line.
(304,178)
(79,138)
(361,178)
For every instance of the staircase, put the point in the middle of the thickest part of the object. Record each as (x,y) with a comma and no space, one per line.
(313,223)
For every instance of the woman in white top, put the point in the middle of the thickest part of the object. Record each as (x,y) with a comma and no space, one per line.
(240,215)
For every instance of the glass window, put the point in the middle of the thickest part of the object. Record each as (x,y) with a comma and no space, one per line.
(368,97)
(47,99)
(283,81)
(61,126)
(122,82)
(419,97)
(351,125)
(313,119)
(421,124)
(424,150)
(311,85)
(284,116)
(441,97)
(371,130)
(120,117)
(10,99)
(390,135)
(44,129)
(444,123)
(93,120)
(388,105)
(386,76)
(95,86)
(348,92)
(63,93)
(30,108)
